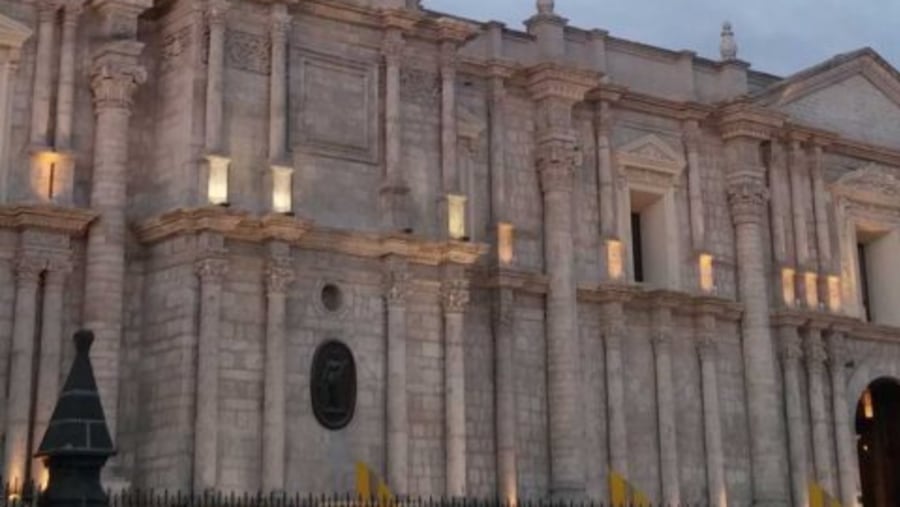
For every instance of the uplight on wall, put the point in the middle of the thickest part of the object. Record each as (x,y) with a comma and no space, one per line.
(788,291)
(217,186)
(615,264)
(868,406)
(834,293)
(456,216)
(506,243)
(707,279)
(282,198)
(810,282)
(46,174)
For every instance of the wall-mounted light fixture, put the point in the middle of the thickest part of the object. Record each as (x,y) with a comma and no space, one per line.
(217,185)
(282,189)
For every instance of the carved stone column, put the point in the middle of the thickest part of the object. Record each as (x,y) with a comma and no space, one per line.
(818,415)
(65,101)
(395,295)
(717,494)
(18,402)
(505,389)
(556,92)
(455,298)
(449,170)
(665,400)
(778,206)
(605,170)
(281,24)
(211,272)
(215,74)
(497,105)
(798,203)
(692,138)
(115,77)
(394,189)
(613,325)
(791,351)
(823,231)
(9,67)
(279,276)
(51,354)
(746,198)
(43,73)
(844,434)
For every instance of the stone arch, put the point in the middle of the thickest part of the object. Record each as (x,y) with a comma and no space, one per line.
(869,369)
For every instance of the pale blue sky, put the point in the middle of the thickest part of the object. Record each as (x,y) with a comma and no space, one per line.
(777,36)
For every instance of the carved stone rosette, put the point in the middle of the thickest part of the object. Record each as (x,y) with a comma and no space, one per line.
(455,295)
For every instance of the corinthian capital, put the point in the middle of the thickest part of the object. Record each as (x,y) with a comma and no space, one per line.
(815,351)
(279,275)
(396,287)
(556,160)
(46,10)
(455,295)
(747,196)
(211,270)
(29,268)
(216,11)
(393,45)
(115,74)
(281,21)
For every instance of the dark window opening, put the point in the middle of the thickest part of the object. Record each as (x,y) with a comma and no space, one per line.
(637,257)
(864,279)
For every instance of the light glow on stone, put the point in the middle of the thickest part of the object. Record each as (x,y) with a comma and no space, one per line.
(810,280)
(707,280)
(615,265)
(788,291)
(505,243)
(868,406)
(456,216)
(46,175)
(282,198)
(217,188)
(834,293)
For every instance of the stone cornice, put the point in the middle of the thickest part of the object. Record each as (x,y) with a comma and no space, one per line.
(69,221)
(242,226)
(741,119)
(554,80)
(658,106)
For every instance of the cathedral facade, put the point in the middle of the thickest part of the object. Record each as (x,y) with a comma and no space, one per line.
(482,261)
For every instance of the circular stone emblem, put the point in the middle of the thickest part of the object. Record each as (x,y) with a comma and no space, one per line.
(333,385)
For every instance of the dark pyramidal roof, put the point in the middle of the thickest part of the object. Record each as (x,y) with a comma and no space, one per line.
(78,426)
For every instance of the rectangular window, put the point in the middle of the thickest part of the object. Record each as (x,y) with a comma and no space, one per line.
(637,254)
(864,279)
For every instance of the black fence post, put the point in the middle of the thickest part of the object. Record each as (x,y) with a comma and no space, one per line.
(77,442)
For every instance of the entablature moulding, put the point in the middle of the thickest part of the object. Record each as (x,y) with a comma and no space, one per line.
(72,222)
(242,226)
(632,295)
(852,327)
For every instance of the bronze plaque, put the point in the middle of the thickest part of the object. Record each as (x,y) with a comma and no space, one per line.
(333,385)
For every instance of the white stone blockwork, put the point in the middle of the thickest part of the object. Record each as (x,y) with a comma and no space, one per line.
(454,201)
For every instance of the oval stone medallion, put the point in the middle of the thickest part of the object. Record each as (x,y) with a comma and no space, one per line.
(333,385)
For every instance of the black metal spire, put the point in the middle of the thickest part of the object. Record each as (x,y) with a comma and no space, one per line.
(77,442)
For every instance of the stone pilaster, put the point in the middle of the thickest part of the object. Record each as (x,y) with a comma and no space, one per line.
(65,100)
(791,352)
(818,415)
(396,288)
(21,360)
(778,207)
(115,77)
(211,272)
(692,138)
(455,298)
(449,171)
(281,24)
(844,433)
(8,70)
(394,191)
(717,494)
(823,231)
(497,106)
(216,14)
(556,91)
(279,276)
(505,393)
(798,174)
(665,403)
(50,361)
(747,201)
(613,328)
(605,171)
(43,73)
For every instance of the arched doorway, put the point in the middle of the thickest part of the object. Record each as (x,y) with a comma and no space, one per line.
(878,443)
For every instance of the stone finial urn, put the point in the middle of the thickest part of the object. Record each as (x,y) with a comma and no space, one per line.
(728,47)
(77,442)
